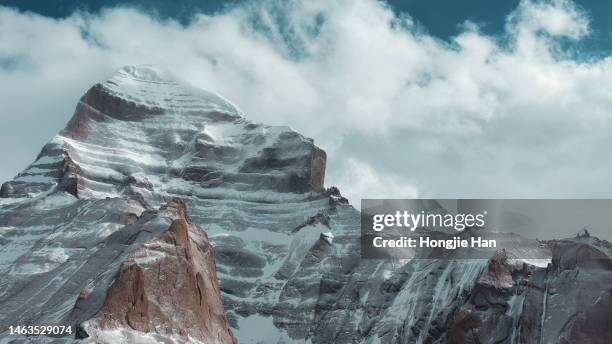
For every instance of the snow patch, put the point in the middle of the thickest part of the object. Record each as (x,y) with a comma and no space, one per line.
(259,329)
(328,236)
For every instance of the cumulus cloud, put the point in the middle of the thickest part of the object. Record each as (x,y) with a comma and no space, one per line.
(401,113)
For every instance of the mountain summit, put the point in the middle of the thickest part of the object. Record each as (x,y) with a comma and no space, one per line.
(144,133)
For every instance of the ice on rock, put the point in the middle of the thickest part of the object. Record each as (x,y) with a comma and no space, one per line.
(328,236)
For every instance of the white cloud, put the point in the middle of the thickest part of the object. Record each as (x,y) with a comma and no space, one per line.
(558,18)
(397,110)
(365,182)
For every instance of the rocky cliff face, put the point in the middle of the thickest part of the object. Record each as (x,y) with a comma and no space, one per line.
(567,301)
(92,234)
(167,288)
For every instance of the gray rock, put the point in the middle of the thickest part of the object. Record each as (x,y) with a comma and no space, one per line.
(99,196)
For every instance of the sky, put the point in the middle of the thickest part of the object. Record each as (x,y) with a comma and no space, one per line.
(507,99)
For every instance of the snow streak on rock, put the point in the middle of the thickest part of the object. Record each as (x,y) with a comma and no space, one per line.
(91,235)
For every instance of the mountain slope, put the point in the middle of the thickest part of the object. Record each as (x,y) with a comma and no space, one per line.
(97,213)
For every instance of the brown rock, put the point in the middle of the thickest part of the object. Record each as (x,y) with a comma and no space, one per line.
(70,180)
(168,286)
(106,103)
(6,189)
(98,103)
(79,125)
(318,159)
(499,275)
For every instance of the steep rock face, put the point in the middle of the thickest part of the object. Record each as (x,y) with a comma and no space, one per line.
(73,217)
(579,293)
(93,216)
(566,302)
(6,189)
(153,277)
(490,314)
(168,287)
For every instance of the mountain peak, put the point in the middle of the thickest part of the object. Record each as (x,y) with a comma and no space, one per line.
(146,72)
(145,133)
(154,87)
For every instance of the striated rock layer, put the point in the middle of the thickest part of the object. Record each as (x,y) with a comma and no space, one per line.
(91,235)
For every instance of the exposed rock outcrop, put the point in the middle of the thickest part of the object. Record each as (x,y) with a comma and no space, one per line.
(70,178)
(166,287)
(566,302)
(6,189)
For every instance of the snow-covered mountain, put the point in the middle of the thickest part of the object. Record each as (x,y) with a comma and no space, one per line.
(155,190)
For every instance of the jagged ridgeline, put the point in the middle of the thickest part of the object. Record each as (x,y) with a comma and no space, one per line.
(161,214)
